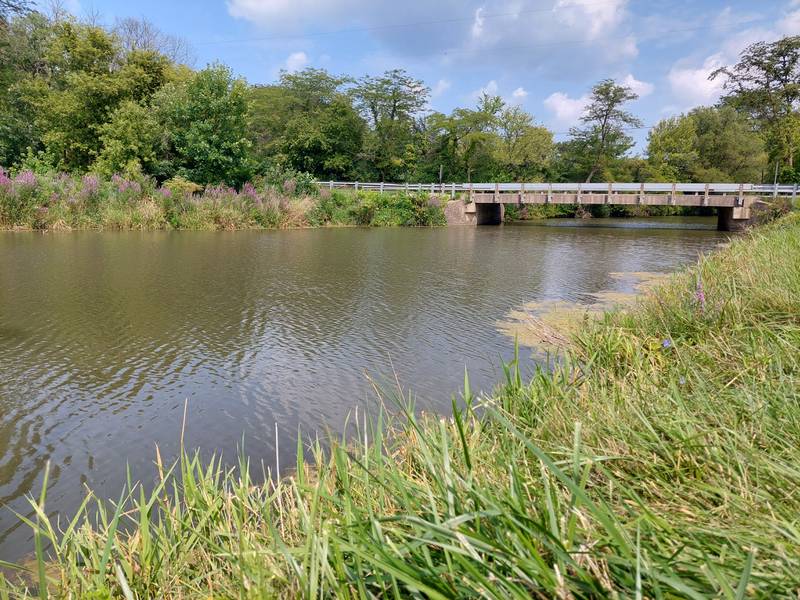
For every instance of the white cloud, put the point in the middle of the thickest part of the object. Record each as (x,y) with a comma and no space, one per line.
(296,61)
(477,24)
(477,33)
(691,85)
(789,24)
(519,95)
(642,88)
(440,88)
(566,110)
(600,17)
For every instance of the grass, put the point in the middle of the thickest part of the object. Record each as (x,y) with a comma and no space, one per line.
(659,459)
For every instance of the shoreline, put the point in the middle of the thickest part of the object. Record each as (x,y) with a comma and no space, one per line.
(659,458)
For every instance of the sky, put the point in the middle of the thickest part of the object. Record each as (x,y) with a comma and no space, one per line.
(544,55)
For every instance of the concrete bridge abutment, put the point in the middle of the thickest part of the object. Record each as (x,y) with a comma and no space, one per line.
(459,212)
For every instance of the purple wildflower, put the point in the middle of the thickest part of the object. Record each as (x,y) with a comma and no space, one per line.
(91,184)
(249,191)
(165,192)
(26,178)
(700,295)
(666,344)
(4,178)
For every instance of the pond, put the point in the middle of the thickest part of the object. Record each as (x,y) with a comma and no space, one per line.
(104,337)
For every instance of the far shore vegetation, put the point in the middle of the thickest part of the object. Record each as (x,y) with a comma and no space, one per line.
(658,458)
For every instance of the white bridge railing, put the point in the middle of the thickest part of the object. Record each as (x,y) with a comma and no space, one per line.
(749,189)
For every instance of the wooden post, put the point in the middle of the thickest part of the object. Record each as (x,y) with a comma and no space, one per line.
(470,191)
(381,187)
(406,188)
(549,199)
(522,194)
(356,186)
(672,195)
(496,193)
(610,191)
(453,191)
(740,200)
(580,190)
(705,197)
(794,194)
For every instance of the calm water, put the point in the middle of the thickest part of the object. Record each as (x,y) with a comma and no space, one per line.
(104,336)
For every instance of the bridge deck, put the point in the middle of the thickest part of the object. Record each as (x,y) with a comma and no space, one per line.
(711,200)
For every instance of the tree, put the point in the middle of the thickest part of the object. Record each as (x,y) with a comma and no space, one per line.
(672,149)
(14,7)
(525,149)
(708,144)
(765,84)
(391,104)
(603,138)
(138,35)
(129,140)
(204,123)
(728,147)
(307,121)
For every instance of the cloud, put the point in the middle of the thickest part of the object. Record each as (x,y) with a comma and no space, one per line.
(599,16)
(296,61)
(642,88)
(440,88)
(567,111)
(477,24)
(691,85)
(518,95)
(565,39)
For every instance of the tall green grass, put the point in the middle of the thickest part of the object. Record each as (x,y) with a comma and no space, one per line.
(659,459)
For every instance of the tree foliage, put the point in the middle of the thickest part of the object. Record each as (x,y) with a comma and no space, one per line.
(78,97)
(603,137)
(765,84)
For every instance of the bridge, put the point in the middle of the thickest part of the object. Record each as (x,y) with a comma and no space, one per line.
(484,203)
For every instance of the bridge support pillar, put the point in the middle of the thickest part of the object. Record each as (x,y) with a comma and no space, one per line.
(735,218)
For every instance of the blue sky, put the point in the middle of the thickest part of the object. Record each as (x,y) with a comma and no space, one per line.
(542,54)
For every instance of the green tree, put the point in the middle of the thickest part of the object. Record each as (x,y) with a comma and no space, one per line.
(130,140)
(391,104)
(524,151)
(308,122)
(23,47)
(14,7)
(765,84)
(727,146)
(204,123)
(672,151)
(603,138)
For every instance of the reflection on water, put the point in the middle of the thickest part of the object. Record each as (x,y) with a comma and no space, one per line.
(104,336)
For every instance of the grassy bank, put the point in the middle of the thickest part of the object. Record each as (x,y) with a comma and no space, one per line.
(55,202)
(659,460)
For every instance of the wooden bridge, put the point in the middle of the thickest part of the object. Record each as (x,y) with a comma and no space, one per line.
(483,203)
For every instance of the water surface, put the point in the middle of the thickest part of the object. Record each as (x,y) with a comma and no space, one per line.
(104,336)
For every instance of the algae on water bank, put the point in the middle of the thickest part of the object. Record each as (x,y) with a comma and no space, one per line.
(549,325)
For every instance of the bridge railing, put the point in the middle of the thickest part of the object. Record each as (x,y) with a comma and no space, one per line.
(647,188)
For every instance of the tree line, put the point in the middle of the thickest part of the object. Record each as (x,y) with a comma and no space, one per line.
(77,97)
